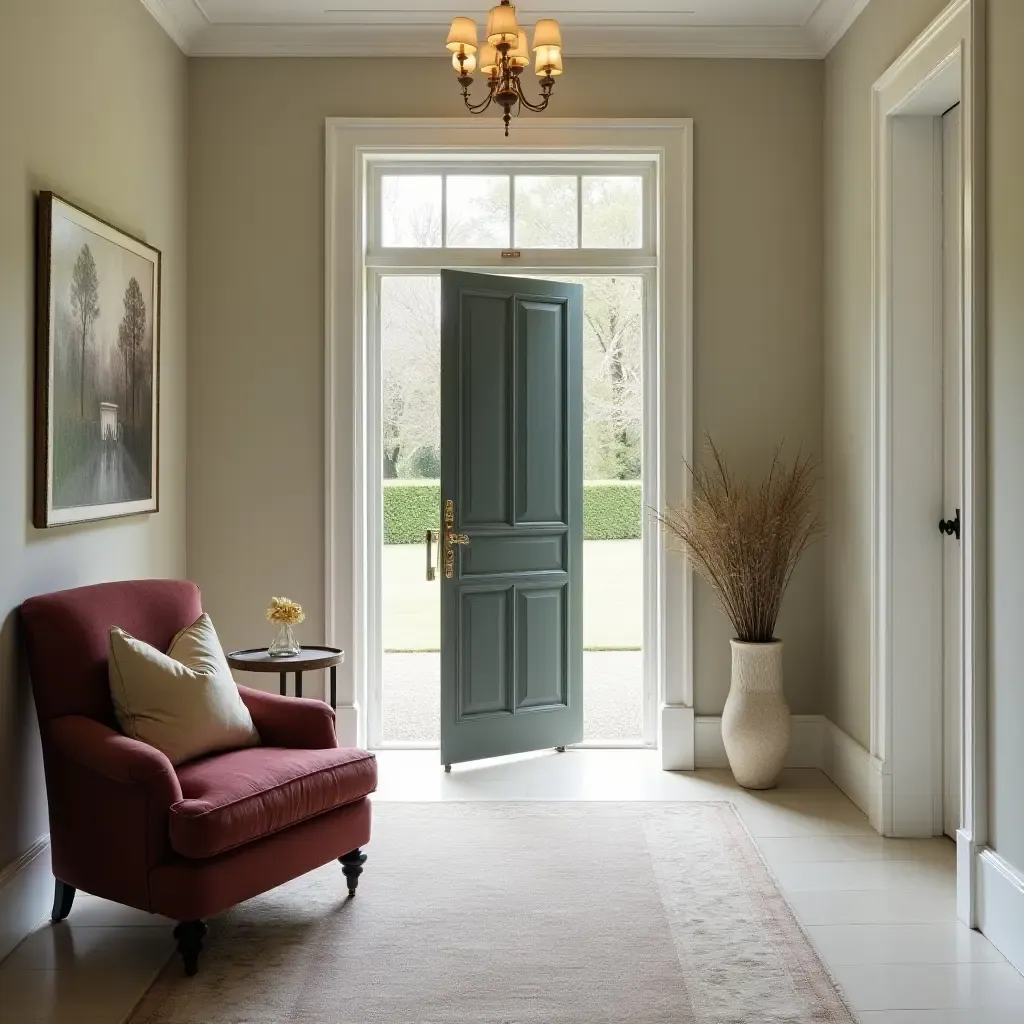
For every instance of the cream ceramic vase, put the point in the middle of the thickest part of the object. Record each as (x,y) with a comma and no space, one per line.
(755,722)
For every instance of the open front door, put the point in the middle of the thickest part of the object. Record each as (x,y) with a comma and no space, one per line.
(511,515)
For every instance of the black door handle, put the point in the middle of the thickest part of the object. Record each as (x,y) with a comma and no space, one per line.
(951,527)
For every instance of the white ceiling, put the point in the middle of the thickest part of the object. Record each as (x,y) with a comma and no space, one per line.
(590,28)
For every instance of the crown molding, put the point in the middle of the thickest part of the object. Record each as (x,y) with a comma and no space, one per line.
(394,41)
(187,24)
(830,20)
(183,20)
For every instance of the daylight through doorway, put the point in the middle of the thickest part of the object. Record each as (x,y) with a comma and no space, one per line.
(409,332)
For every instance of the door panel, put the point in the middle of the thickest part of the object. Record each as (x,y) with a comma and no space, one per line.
(511,458)
(540,641)
(540,433)
(488,555)
(485,656)
(485,407)
(951,414)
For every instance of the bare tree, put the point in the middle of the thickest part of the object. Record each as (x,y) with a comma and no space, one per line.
(411,367)
(85,304)
(130,337)
(613,323)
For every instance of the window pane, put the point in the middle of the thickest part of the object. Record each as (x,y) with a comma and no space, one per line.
(545,211)
(613,213)
(410,210)
(477,211)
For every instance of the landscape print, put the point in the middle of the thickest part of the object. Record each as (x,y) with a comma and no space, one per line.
(98,339)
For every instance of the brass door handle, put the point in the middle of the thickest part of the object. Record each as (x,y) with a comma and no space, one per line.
(451,538)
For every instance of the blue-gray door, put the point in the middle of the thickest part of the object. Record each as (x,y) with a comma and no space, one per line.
(511,554)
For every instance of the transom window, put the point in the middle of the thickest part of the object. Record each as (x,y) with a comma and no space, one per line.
(533,206)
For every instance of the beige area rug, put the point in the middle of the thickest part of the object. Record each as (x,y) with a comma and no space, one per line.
(526,913)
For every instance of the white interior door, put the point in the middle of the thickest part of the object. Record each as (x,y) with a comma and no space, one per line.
(951,488)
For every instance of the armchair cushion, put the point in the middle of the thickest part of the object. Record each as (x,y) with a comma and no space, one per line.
(184,702)
(234,798)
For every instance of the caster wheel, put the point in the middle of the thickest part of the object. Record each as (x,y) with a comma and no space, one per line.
(448,769)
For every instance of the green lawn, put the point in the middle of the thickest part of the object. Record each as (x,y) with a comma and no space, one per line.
(612,597)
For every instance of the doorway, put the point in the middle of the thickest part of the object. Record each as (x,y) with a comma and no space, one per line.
(614,697)
(927,699)
(952,469)
(600,238)
(359,151)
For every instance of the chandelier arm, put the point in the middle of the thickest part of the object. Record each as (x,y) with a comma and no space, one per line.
(536,107)
(478,108)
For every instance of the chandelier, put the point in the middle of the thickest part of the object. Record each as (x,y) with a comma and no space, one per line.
(503,58)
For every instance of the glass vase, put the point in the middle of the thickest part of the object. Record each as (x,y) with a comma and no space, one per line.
(285,645)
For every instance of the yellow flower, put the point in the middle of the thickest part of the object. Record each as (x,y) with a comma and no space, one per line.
(285,612)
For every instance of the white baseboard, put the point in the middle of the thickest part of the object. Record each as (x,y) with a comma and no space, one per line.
(966,875)
(26,891)
(854,771)
(815,742)
(346,725)
(804,743)
(1000,905)
(676,738)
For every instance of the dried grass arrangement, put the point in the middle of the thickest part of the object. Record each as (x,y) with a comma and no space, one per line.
(746,540)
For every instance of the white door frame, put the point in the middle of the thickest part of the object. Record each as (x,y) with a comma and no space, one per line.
(943,66)
(351,534)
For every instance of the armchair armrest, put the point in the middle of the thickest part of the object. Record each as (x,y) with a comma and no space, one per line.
(110,798)
(92,745)
(294,722)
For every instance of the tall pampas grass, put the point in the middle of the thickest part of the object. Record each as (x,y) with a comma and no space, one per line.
(746,540)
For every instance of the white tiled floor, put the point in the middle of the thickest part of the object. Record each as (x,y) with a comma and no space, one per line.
(881,911)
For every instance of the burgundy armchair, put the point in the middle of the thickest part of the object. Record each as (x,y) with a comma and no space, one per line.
(191,841)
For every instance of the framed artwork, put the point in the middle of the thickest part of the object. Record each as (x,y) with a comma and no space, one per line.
(97,369)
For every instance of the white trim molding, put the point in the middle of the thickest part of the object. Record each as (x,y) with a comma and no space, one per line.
(805,749)
(387,33)
(816,742)
(26,889)
(183,22)
(943,66)
(677,738)
(352,541)
(1000,905)
(852,768)
(830,21)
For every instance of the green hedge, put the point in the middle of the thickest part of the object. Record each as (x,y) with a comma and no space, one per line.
(611,510)
(411,507)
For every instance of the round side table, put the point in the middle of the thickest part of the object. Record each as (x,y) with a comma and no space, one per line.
(309,659)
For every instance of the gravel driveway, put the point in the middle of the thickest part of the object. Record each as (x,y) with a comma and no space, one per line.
(612,696)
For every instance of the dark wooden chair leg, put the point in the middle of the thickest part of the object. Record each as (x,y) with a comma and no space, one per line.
(63,897)
(352,867)
(190,941)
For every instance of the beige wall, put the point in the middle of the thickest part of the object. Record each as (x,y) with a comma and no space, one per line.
(1006,422)
(92,106)
(877,37)
(874,41)
(256,222)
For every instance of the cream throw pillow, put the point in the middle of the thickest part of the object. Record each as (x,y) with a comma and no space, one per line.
(184,702)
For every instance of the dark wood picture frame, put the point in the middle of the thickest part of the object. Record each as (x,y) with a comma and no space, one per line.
(106,482)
